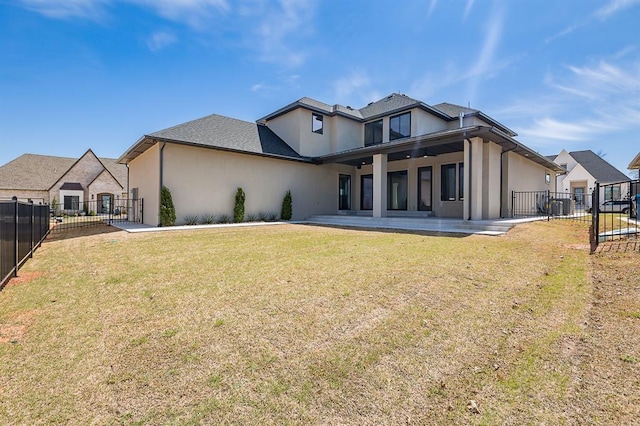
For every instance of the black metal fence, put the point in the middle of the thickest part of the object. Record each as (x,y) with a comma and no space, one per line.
(616,216)
(549,204)
(23,226)
(611,209)
(94,212)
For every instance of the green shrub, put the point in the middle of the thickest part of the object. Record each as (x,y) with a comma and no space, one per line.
(263,216)
(167,210)
(238,209)
(92,213)
(208,219)
(252,217)
(224,218)
(191,220)
(287,207)
(272,216)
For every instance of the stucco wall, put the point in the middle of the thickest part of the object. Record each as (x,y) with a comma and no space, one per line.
(204,181)
(491,178)
(521,174)
(423,123)
(144,174)
(346,134)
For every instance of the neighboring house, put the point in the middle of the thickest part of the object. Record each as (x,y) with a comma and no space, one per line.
(67,182)
(635,163)
(397,156)
(583,170)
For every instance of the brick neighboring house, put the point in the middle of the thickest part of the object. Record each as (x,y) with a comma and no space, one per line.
(67,182)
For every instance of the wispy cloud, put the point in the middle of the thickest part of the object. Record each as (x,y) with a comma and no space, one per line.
(355,88)
(278,29)
(65,9)
(613,7)
(432,7)
(603,13)
(586,103)
(159,40)
(194,13)
(467,10)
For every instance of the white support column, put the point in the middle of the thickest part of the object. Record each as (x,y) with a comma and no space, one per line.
(466,209)
(475,177)
(380,185)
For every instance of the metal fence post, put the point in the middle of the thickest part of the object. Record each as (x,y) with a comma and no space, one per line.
(547,204)
(33,220)
(15,238)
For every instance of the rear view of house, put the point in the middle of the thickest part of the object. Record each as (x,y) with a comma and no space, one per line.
(394,157)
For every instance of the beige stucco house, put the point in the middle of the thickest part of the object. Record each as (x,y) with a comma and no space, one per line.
(67,182)
(394,157)
(583,170)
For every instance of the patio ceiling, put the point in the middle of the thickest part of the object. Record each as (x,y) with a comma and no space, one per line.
(434,144)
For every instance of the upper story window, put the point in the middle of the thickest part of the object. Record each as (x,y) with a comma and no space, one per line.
(316,123)
(373,133)
(400,126)
(564,166)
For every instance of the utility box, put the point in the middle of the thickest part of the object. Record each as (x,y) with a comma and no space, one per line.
(556,207)
(568,206)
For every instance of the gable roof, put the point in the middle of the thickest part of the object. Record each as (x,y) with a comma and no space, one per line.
(41,172)
(395,102)
(635,163)
(597,167)
(220,132)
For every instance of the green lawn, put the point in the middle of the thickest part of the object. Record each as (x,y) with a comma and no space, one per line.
(296,325)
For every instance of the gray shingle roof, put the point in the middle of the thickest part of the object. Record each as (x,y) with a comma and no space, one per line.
(217,131)
(393,102)
(453,110)
(40,172)
(598,167)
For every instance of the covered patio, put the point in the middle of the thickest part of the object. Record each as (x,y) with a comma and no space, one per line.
(465,173)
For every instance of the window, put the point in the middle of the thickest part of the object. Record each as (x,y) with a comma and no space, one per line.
(71,202)
(316,123)
(612,192)
(400,126)
(373,133)
(366,192)
(547,178)
(564,166)
(448,182)
(397,190)
(424,188)
(344,192)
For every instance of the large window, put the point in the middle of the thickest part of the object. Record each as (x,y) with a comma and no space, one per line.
(71,202)
(344,192)
(316,123)
(373,133)
(612,192)
(450,181)
(366,192)
(400,126)
(424,188)
(397,190)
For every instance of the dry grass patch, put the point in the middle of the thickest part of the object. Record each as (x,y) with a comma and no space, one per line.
(296,324)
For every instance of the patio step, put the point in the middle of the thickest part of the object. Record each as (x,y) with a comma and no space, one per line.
(429,224)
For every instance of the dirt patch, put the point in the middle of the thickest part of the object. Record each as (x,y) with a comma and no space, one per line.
(24,278)
(15,329)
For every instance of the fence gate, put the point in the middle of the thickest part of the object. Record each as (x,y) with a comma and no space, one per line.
(96,212)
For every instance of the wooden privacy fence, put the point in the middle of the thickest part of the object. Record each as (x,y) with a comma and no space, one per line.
(23,226)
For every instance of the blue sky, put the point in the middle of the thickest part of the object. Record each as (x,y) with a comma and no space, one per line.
(79,74)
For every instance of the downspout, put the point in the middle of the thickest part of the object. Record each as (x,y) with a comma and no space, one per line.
(502,177)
